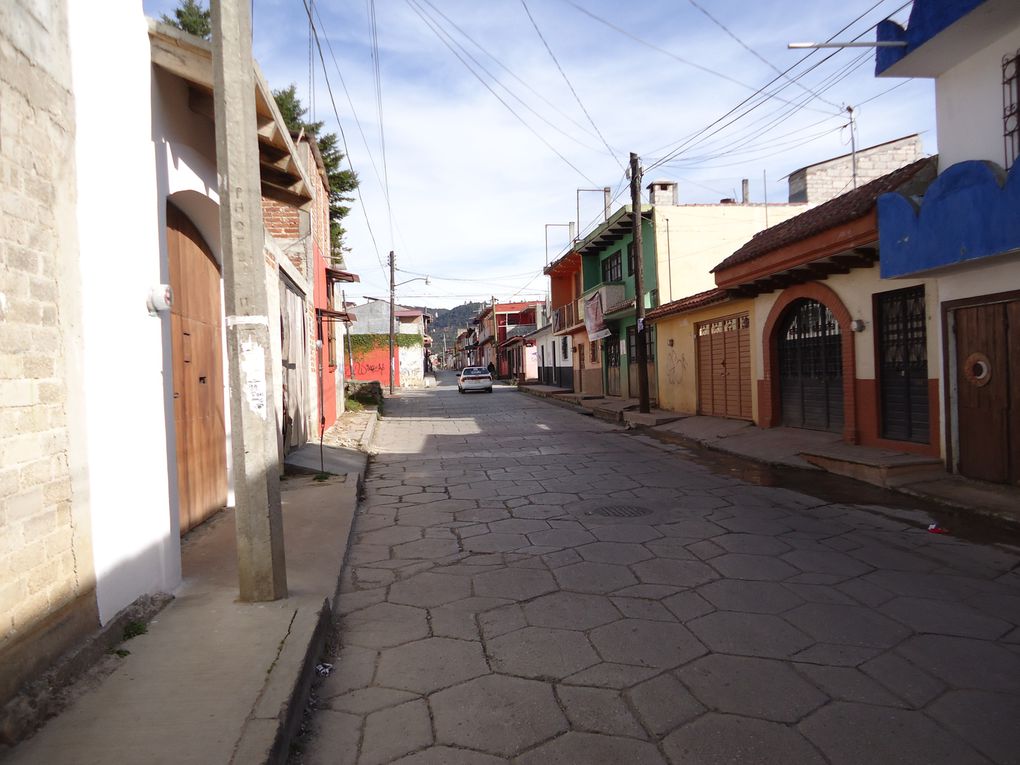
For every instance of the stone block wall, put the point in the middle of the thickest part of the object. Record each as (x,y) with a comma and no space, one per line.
(46,579)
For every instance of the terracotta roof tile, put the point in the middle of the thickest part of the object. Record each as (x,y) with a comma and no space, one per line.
(844,208)
(689,303)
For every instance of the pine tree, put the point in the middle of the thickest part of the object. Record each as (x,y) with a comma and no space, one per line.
(192,18)
(341,182)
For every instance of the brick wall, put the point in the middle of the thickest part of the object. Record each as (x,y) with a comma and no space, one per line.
(281,220)
(46,577)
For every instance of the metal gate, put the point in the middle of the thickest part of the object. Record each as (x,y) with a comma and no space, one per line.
(903,364)
(811,367)
(724,367)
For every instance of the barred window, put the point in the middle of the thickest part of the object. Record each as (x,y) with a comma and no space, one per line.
(1011,107)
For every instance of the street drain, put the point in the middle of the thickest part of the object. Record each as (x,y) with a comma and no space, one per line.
(620,511)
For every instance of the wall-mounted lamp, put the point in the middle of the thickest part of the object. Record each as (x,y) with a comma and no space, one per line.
(858,325)
(160,299)
(670,342)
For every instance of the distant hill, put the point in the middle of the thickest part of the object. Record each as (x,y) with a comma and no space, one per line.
(451,321)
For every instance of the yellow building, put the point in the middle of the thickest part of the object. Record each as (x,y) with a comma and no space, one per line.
(703,347)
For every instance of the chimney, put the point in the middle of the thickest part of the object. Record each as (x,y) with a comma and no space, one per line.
(745,196)
(663,193)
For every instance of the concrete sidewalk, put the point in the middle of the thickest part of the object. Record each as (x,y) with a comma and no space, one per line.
(214,680)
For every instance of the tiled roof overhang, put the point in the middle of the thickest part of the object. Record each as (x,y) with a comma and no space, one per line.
(829,239)
(690,303)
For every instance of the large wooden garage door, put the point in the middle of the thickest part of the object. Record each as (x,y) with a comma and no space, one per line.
(724,367)
(987,381)
(811,367)
(195,327)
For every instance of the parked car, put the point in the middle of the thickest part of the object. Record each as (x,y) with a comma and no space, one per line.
(474,378)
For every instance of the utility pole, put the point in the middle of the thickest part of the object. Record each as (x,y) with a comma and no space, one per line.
(639,289)
(393,315)
(261,567)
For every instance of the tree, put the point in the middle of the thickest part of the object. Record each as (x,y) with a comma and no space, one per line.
(192,18)
(341,182)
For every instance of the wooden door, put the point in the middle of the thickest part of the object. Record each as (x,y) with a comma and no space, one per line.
(612,345)
(197,359)
(724,367)
(988,413)
(811,367)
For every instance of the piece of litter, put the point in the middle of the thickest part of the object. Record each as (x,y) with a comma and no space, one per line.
(934,528)
(323,670)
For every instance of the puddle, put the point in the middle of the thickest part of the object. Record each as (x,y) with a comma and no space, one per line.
(837,489)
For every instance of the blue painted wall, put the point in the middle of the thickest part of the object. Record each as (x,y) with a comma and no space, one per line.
(927,19)
(972,210)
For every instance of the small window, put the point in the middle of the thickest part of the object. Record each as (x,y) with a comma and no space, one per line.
(631,262)
(564,347)
(649,335)
(594,347)
(1011,107)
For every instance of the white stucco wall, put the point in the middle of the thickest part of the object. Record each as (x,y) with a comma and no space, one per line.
(412,367)
(968,105)
(135,543)
(690,240)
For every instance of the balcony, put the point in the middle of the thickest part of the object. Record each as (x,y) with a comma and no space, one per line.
(612,293)
(568,316)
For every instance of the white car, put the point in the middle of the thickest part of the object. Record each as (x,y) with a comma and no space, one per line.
(474,378)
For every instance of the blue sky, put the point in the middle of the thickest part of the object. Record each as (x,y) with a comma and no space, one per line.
(471,187)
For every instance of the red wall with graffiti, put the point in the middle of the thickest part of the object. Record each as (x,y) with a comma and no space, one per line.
(375,365)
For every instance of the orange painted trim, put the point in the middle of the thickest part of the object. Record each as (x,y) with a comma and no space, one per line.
(769,398)
(856,233)
(870,412)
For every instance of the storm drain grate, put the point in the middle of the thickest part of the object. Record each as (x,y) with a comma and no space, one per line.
(621,511)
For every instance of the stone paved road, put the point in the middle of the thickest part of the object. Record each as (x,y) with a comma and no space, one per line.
(527,584)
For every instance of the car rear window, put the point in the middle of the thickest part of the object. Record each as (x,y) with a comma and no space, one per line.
(476,371)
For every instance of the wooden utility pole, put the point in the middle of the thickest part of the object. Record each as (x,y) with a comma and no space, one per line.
(261,566)
(393,315)
(639,288)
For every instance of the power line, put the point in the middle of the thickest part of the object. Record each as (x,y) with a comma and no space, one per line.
(509,71)
(429,24)
(497,81)
(670,54)
(757,55)
(687,142)
(343,137)
(566,79)
(377,71)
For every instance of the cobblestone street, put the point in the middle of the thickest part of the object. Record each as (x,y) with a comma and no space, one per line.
(527,584)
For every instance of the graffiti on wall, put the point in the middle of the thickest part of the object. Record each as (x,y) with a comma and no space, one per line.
(676,367)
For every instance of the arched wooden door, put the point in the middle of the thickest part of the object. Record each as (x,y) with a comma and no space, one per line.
(196,331)
(810,367)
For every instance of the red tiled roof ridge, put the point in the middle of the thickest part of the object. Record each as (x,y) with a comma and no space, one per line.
(842,209)
(698,300)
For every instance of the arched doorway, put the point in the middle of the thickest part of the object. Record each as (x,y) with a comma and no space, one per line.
(196,336)
(810,350)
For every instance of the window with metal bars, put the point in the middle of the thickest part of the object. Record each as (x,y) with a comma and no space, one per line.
(1011,107)
(594,348)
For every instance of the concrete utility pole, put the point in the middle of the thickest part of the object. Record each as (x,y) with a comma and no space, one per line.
(393,315)
(639,289)
(261,566)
